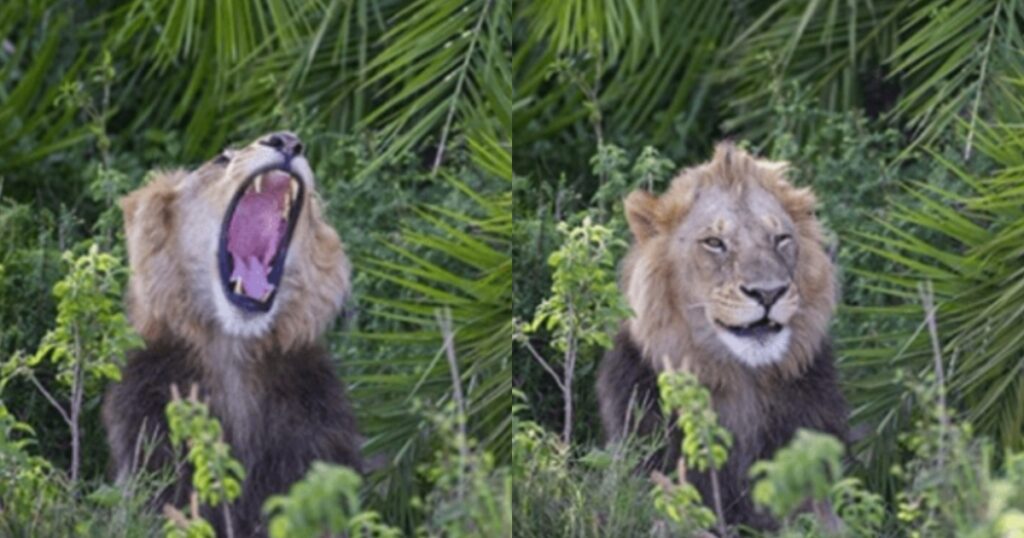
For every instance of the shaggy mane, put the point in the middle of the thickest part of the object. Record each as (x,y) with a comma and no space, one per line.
(170,295)
(650,282)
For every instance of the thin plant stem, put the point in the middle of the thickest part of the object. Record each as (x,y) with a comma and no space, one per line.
(229,530)
(570,368)
(49,397)
(77,392)
(928,302)
(716,491)
(547,367)
(444,320)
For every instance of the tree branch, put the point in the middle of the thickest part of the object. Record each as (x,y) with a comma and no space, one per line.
(49,397)
(927,301)
(544,363)
(444,320)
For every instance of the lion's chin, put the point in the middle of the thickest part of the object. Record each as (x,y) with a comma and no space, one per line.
(760,350)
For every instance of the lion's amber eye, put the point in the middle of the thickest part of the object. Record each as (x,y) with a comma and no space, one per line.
(713,243)
(782,240)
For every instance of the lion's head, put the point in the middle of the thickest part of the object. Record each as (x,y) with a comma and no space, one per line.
(728,265)
(237,247)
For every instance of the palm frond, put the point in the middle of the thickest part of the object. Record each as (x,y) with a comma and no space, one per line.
(33,126)
(436,69)
(969,247)
(458,262)
(953,58)
(648,63)
(825,46)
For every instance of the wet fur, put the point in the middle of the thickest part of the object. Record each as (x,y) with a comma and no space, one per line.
(266,377)
(761,406)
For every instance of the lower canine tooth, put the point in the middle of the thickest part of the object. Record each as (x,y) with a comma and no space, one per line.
(238,286)
(265,297)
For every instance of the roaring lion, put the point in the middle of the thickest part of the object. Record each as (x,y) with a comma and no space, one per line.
(728,279)
(234,277)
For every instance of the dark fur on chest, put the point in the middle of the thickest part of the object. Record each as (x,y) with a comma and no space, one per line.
(299,414)
(627,387)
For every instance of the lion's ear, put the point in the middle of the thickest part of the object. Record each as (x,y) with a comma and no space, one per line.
(641,211)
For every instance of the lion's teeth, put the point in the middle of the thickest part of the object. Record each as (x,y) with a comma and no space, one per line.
(265,297)
(293,191)
(238,286)
(286,207)
(258,184)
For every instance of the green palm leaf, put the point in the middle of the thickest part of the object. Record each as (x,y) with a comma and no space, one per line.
(437,68)
(458,262)
(972,255)
(824,45)
(955,56)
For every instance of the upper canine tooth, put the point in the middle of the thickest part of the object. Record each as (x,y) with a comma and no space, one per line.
(294,190)
(258,184)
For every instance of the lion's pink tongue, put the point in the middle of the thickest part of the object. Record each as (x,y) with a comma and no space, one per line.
(253,273)
(255,232)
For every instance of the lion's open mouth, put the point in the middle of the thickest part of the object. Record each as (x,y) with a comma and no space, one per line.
(759,329)
(255,235)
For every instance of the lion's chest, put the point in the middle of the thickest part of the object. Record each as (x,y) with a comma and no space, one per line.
(236,404)
(741,410)
(233,393)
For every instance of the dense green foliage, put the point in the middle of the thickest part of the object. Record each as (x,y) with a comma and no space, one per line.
(326,501)
(404,107)
(902,116)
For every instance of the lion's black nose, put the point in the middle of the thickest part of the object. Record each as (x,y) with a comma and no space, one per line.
(765,296)
(287,143)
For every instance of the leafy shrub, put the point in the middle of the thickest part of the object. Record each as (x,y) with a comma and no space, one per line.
(808,472)
(584,307)
(40,500)
(599,494)
(216,476)
(91,335)
(541,237)
(471,495)
(705,447)
(23,478)
(324,504)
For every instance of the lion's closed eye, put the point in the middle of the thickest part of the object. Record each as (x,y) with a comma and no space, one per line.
(224,158)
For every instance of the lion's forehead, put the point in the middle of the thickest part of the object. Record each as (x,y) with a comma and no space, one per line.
(749,212)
